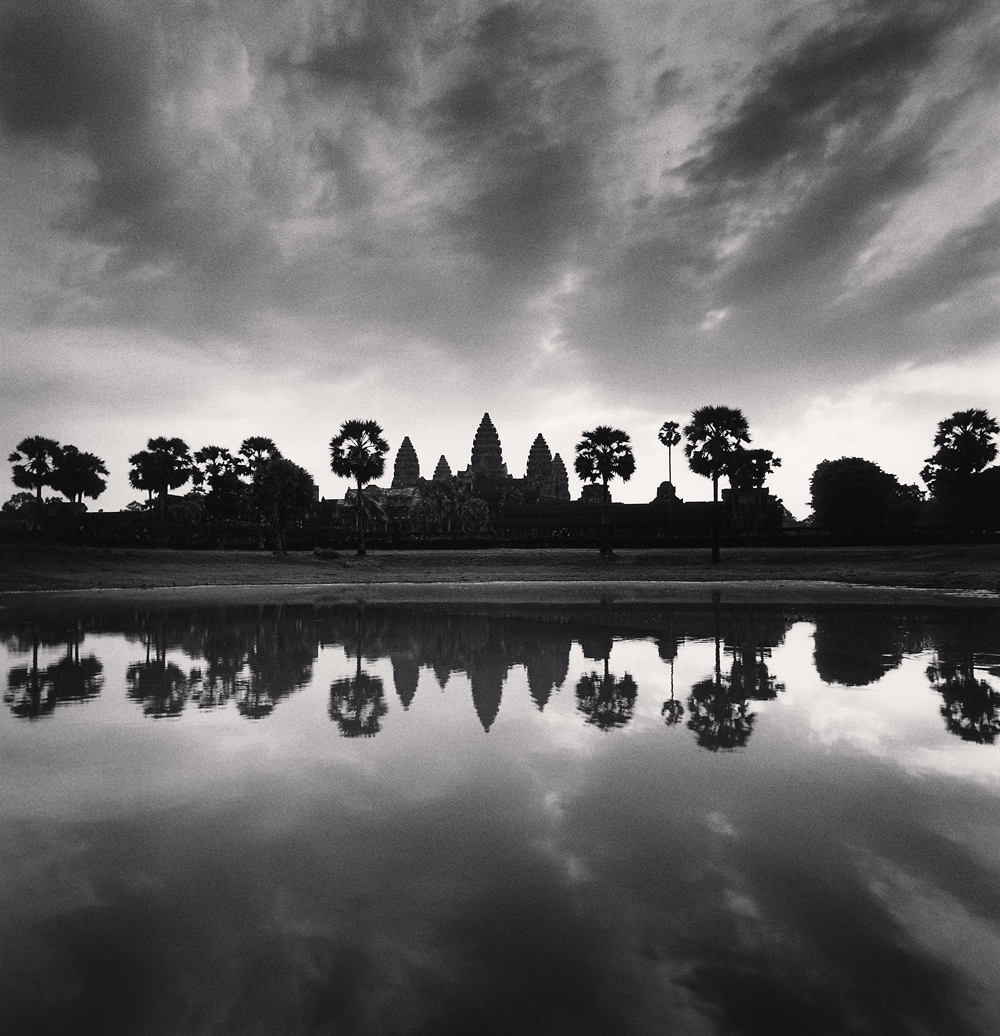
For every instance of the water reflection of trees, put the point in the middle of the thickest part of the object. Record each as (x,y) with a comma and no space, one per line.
(254,657)
(251,657)
(970,705)
(34,691)
(719,705)
(160,686)
(605,700)
(857,647)
(357,704)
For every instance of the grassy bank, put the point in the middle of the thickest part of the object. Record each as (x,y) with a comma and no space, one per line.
(972,567)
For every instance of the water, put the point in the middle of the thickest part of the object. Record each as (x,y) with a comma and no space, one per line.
(590,819)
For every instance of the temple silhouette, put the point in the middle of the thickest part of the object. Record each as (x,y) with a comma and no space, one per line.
(535,505)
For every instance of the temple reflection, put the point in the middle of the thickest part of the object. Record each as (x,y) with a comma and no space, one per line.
(250,658)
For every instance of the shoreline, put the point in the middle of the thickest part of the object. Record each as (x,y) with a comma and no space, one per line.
(513,592)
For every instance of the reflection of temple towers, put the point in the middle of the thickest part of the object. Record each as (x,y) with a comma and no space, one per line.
(405,676)
(406,472)
(547,666)
(487,672)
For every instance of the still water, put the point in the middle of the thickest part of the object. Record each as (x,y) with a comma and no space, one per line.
(586,819)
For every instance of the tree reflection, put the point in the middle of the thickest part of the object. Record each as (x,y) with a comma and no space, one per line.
(719,718)
(719,705)
(855,648)
(33,692)
(970,706)
(605,700)
(672,710)
(161,687)
(357,703)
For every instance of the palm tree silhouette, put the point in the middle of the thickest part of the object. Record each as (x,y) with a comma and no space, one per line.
(34,464)
(358,451)
(78,474)
(670,436)
(165,464)
(601,455)
(255,450)
(713,435)
(965,446)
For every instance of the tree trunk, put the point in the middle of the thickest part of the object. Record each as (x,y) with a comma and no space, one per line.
(606,522)
(716,558)
(361,522)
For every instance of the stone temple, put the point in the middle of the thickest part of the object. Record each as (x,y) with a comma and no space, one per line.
(406,473)
(487,453)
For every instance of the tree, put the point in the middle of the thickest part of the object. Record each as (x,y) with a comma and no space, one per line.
(713,436)
(165,464)
(255,450)
(34,465)
(285,492)
(853,492)
(601,455)
(670,436)
(220,471)
(358,451)
(748,471)
(78,474)
(965,446)
(20,505)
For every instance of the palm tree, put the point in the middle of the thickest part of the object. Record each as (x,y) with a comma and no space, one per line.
(255,450)
(358,451)
(965,446)
(220,471)
(78,474)
(713,435)
(670,436)
(165,464)
(34,463)
(601,455)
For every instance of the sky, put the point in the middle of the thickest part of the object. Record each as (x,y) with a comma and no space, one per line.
(255,217)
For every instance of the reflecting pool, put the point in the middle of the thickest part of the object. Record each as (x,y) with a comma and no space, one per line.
(720,819)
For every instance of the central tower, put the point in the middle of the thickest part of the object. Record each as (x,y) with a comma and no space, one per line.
(487,454)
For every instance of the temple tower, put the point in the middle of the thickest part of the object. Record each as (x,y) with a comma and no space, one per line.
(487,454)
(406,472)
(539,467)
(443,470)
(560,481)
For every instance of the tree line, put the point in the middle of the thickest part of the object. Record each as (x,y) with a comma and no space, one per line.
(259,481)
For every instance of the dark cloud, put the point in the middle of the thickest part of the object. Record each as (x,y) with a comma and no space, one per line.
(667,87)
(524,122)
(786,191)
(850,76)
(370,48)
(81,80)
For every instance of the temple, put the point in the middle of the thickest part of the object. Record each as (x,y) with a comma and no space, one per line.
(485,497)
(406,473)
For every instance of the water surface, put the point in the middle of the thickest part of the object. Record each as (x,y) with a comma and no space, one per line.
(584,819)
